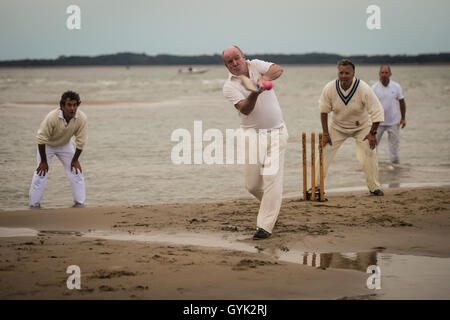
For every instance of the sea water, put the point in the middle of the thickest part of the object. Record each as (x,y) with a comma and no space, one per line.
(132,113)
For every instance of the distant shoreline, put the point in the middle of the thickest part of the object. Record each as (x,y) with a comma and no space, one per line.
(437,64)
(133,59)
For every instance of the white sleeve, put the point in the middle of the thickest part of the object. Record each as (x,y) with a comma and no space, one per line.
(400,93)
(325,105)
(232,94)
(261,66)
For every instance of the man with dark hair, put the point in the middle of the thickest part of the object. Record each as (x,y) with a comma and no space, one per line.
(356,114)
(53,138)
(390,95)
(346,62)
(259,112)
(71,95)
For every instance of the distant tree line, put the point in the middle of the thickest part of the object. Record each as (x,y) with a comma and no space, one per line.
(135,59)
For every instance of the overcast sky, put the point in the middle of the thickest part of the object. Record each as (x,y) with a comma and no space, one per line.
(37,29)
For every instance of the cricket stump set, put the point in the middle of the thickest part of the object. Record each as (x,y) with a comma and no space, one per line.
(313,167)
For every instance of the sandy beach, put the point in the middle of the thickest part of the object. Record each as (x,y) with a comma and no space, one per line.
(205,250)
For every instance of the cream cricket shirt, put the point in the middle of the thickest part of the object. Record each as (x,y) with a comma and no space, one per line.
(356,107)
(54,130)
(267,112)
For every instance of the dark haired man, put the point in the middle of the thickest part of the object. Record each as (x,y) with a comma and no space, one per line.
(356,114)
(54,138)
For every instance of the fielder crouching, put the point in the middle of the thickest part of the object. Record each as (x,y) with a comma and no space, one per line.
(53,138)
(356,113)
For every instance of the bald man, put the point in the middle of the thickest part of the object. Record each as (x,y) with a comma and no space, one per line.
(259,112)
(390,94)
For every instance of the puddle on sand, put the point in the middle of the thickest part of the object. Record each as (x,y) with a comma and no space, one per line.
(402,276)
(17,232)
(25,232)
(59,233)
(346,260)
(180,238)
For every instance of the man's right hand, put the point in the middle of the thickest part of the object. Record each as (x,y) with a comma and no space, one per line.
(327,139)
(261,87)
(42,169)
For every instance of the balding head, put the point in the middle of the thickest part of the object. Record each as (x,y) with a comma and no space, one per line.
(385,74)
(385,67)
(231,51)
(234,60)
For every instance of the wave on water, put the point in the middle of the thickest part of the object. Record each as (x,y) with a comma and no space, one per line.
(213,81)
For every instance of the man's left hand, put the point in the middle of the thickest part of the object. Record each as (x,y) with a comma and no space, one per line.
(402,123)
(372,140)
(75,164)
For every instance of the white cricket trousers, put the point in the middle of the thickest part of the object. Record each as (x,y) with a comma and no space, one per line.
(393,139)
(366,156)
(264,179)
(65,154)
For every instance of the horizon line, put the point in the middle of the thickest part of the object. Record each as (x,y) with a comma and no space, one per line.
(219,54)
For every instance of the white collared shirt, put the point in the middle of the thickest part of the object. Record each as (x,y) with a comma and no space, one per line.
(389,97)
(267,112)
(61,115)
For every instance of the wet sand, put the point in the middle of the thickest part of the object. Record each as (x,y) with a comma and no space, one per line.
(205,250)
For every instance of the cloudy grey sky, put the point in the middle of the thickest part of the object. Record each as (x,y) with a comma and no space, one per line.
(37,29)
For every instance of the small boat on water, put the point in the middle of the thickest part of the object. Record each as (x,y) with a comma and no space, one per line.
(191,70)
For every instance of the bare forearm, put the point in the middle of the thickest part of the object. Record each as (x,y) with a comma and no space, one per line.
(326,134)
(76,155)
(246,106)
(42,153)
(403,108)
(374,127)
(274,72)
(324,121)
